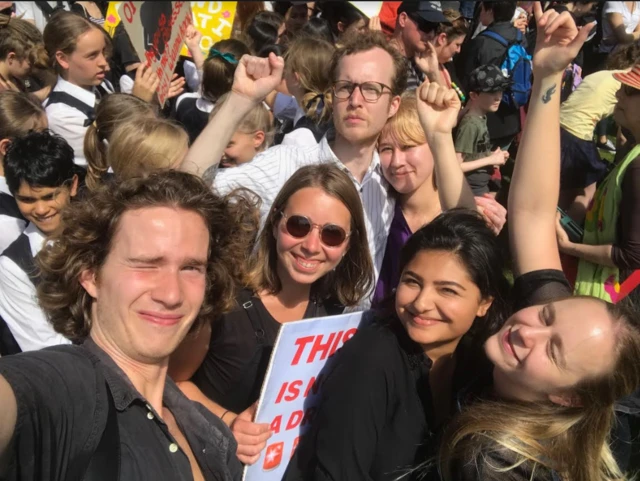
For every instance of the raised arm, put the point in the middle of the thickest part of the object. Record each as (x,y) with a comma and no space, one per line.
(438,109)
(254,79)
(535,184)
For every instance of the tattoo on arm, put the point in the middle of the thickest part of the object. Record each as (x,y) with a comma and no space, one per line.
(548,94)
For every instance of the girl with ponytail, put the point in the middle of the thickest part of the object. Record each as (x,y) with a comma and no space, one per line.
(193,109)
(307,78)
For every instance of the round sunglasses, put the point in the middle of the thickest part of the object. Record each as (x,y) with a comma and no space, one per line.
(299,226)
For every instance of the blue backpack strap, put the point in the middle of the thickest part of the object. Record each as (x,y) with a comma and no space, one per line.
(497,37)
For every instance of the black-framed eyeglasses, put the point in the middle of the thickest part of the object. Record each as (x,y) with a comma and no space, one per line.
(371,91)
(630,91)
(299,226)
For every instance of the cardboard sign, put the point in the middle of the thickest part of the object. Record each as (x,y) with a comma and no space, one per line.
(213,19)
(157,31)
(292,385)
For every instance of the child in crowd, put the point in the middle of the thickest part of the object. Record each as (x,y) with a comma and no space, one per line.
(193,109)
(42,177)
(472,142)
(254,134)
(19,114)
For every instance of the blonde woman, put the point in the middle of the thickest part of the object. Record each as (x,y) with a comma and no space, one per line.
(544,406)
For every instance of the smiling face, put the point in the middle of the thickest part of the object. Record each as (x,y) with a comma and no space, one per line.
(436,300)
(152,284)
(86,65)
(305,260)
(355,119)
(542,351)
(406,168)
(43,205)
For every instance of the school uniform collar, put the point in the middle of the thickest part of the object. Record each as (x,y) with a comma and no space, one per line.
(85,96)
(4,187)
(36,238)
(299,114)
(204,105)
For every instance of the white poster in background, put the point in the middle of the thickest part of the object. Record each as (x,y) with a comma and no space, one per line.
(292,385)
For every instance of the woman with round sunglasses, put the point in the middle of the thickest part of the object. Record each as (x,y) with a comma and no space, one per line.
(311,260)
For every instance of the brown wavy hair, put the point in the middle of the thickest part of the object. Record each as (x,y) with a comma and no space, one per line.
(352,278)
(88,228)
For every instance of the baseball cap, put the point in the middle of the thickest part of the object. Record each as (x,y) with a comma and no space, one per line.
(631,78)
(430,12)
(487,78)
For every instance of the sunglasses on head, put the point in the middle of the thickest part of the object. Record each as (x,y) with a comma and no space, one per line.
(299,226)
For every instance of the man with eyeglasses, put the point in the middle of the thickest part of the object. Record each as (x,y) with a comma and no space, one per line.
(417,25)
(41,176)
(368,77)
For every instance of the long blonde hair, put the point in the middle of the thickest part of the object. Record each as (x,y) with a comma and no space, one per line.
(111,112)
(573,441)
(142,146)
(309,58)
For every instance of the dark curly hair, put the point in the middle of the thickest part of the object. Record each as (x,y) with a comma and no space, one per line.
(88,228)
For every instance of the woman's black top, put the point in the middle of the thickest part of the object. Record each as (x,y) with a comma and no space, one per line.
(371,422)
(241,343)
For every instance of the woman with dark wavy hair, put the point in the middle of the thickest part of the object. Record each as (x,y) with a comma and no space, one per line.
(312,259)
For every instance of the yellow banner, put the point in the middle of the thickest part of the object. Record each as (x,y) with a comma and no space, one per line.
(213,19)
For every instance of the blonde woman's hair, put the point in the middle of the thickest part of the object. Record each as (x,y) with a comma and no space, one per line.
(310,59)
(19,114)
(113,111)
(141,146)
(496,436)
(257,119)
(404,127)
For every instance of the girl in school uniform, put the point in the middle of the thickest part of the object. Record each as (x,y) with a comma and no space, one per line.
(77,48)
(193,109)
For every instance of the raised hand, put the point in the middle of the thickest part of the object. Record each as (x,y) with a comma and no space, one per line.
(192,38)
(427,61)
(176,87)
(251,437)
(256,77)
(493,212)
(438,108)
(146,83)
(558,41)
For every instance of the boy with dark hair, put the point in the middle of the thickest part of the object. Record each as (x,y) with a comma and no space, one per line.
(472,142)
(41,175)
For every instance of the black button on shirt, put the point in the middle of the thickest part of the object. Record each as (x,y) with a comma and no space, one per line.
(374,418)
(62,410)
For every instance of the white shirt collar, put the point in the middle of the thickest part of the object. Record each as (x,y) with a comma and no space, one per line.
(86,96)
(36,238)
(327,153)
(204,105)
(4,188)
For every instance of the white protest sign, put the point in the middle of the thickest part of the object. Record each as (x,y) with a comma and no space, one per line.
(292,385)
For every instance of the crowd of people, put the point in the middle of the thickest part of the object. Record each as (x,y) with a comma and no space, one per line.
(467,173)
